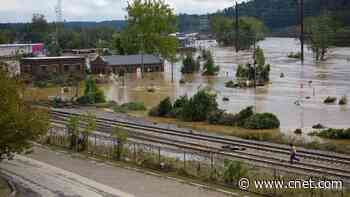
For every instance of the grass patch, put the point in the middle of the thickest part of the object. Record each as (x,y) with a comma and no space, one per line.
(131,106)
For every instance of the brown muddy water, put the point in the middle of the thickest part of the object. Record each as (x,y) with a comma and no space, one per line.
(329,78)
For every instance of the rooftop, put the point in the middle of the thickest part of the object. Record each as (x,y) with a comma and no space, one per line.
(19,45)
(132,59)
(53,58)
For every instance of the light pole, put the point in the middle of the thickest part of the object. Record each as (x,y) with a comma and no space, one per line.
(237,27)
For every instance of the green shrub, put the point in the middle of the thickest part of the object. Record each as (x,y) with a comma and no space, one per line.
(92,94)
(343,100)
(190,65)
(262,121)
(134,106)
(220,117)
(164,108)
(243,115)
(199,107)
(233,171)
(181,102)
(210,68)
(294,55)
(231,84)
(330,99)
(334,133)
(261,71)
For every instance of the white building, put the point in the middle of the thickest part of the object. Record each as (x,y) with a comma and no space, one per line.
(10,50)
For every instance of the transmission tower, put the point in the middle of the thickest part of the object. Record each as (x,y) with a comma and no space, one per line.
(58,10)
(59,20)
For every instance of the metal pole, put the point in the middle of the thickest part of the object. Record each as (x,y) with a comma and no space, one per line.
(142,51)
(254,54)
(237,28)
(172,71)
(302,30)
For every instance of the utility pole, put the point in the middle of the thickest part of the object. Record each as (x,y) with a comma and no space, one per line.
(254,56)
(59,19)
(172,71)
(142,51)
(237,27)
(301,12)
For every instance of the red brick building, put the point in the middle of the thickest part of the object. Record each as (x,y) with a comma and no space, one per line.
(126,63)
(44,66)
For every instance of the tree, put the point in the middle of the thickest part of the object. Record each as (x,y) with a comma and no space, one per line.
(260,72)
(38,30)
(19,122)
(92,94)
(251,30)
(320,35)
(199,107)
(164,108)
(122,138)
(234,170)
(209,67)
(189,64)
(73,130)
(90,120)
(149,24)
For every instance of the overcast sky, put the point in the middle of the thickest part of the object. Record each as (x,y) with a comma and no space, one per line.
(94,10)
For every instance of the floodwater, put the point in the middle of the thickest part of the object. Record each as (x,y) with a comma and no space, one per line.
(329,78)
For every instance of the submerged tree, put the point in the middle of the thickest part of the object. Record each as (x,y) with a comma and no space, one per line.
(19,122)
(189,64)
(320,35)
(209,67)
(259,72)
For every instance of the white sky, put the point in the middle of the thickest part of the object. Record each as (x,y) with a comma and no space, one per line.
(95,10)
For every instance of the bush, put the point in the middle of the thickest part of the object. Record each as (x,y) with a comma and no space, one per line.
(330,99)
(294,55)
(190,65)
(231,84)
(210,68)
(134,106)
(164,108)
(199,107)
(243,115)
(334,133)
(219,117)
(262,121)
(261,71)
(92,94)
(343,100)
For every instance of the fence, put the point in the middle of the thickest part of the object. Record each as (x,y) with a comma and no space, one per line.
(203,165)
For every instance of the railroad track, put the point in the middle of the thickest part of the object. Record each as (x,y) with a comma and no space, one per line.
(258,152)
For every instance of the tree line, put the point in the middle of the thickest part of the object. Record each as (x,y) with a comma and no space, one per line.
(149,23)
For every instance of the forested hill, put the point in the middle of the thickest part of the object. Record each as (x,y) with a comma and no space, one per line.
(114,24)
(277,14)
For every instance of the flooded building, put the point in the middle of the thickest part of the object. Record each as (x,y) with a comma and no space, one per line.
(44,66)
(126,63)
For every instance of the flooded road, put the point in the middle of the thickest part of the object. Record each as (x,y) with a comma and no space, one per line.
(329,78)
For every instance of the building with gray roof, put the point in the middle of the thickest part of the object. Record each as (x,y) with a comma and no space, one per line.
(118,64)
